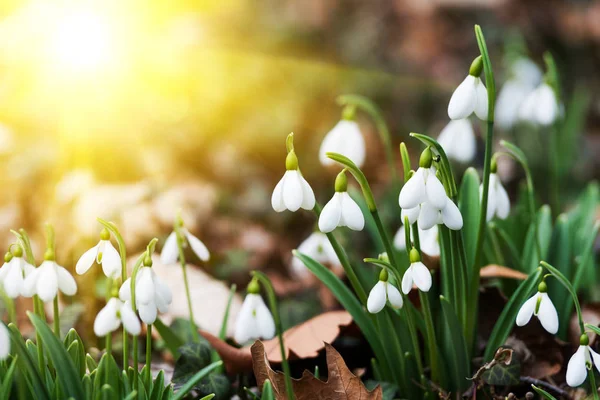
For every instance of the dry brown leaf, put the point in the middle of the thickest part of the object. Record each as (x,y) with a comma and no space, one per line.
(341,385)
(499,271)
(301,341)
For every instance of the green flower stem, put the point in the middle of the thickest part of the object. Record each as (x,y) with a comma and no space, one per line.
(10,305)
(149,351)
(343,257)
(565,282)
(274,309)
(108,352)
(180,242)
(136,363)
(554,170)
(593,383)
(375,113)
(112,228)
(56,320)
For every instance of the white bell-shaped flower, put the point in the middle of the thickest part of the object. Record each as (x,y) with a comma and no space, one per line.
(13,273)
(541,306)
(383,292)
(4,342)
(152,295)
(449,215)
(254,321)
(577,369)
(293,191)
(417,274)
(114,313)
(170,251)
(428,239)
(317,247)
(470,96)
(104,254)
(346,139)
(498,202)
(341,210)
(48,279)
(458,140)
(541,106)
(423,186)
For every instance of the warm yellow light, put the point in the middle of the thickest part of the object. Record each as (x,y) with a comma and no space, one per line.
(82,41)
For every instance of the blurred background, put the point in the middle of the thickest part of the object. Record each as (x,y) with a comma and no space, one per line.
(132,110)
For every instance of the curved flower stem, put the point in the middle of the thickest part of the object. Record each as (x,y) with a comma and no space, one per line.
(149,352)
(565,282)
(375,113)
(593,383)
(274,309)
(56,320)
(180,242)
(343,257)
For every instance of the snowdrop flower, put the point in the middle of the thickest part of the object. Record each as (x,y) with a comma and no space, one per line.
(470,96)
(498,201)
(383,292)
(341,210)
(170,251)
(541,106)
(110,317)
(428,239)
(317,247)
(4,342)
(458,140)
(417,273)
(423,186)
(151,293)
(254,320)
(346,139)
(14,271)
(541,306)
(292,192)
(584,358)
(449,215)
(48,279)
(104,254)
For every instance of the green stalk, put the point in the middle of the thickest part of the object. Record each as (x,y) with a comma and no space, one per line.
(593,383)
(375,113)
(108,352)
(275,311)
(149,351)
(565,282)
(343,257)
(56,320)
(430,333)
(183,263)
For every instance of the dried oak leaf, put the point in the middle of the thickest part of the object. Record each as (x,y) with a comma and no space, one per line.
(499,271)
(341,384)
(301,341)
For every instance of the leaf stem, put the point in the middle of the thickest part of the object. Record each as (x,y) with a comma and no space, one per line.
(180,242)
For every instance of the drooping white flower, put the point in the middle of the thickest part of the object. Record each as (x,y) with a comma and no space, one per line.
(47,280)
(470,96)
(317,247)
(346,139)
(152,295)
(577,369)
(541,106)
(417,274)
(293,191)
(254,320)
(13,273)
(541,306)
(170,251)
(114,313)
(341,210)
(458,140)
(428,240)
(449,215)
(4,342)
(104,254)
(498,201)
(383,292)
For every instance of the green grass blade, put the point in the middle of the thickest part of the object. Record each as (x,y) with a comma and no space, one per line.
(457,357)
(27,366)
(469,205)
(543,393)
(185,389)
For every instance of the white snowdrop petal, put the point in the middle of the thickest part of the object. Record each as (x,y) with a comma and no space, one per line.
(463,100)
(264,319)
(277,196)
(502,201)
(436,194)
(352,215)
(481,106)
(547,314)
(197,246)
(86,261)
(407,280)
(413,192)
(170,251)
(466,143)
(144,286)
(394,296)
(107,321)
(292,190)
(346,139)
(421,276)
(4,270)
(331,214)
(595,358)
(526,311)
(125,290)
(428,217)
(509,101)
(130,320)
(451,216)
(411,213)
(245,325)
(576,369)
(111,261)
(546,109)
(377,298)
(30,284)
(47,282)
(4,342)
(491,204)
(429,241)
(66,282)
(400,239)
(331,144)
(147,312)
(308,196)
(13,284)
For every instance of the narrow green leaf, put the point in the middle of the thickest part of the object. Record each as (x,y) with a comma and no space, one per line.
(158,386)
(456,353)
(131,395)
(172,341)
(91,364)
(543,393)
(559,254)
(195,379)
(267,391)
(27,366)
(469,205)
(544,229)
(210,396)
(506,320)
(7,379)
(88,390)
(508,247)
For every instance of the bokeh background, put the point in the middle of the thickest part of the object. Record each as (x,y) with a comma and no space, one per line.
(133,110)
